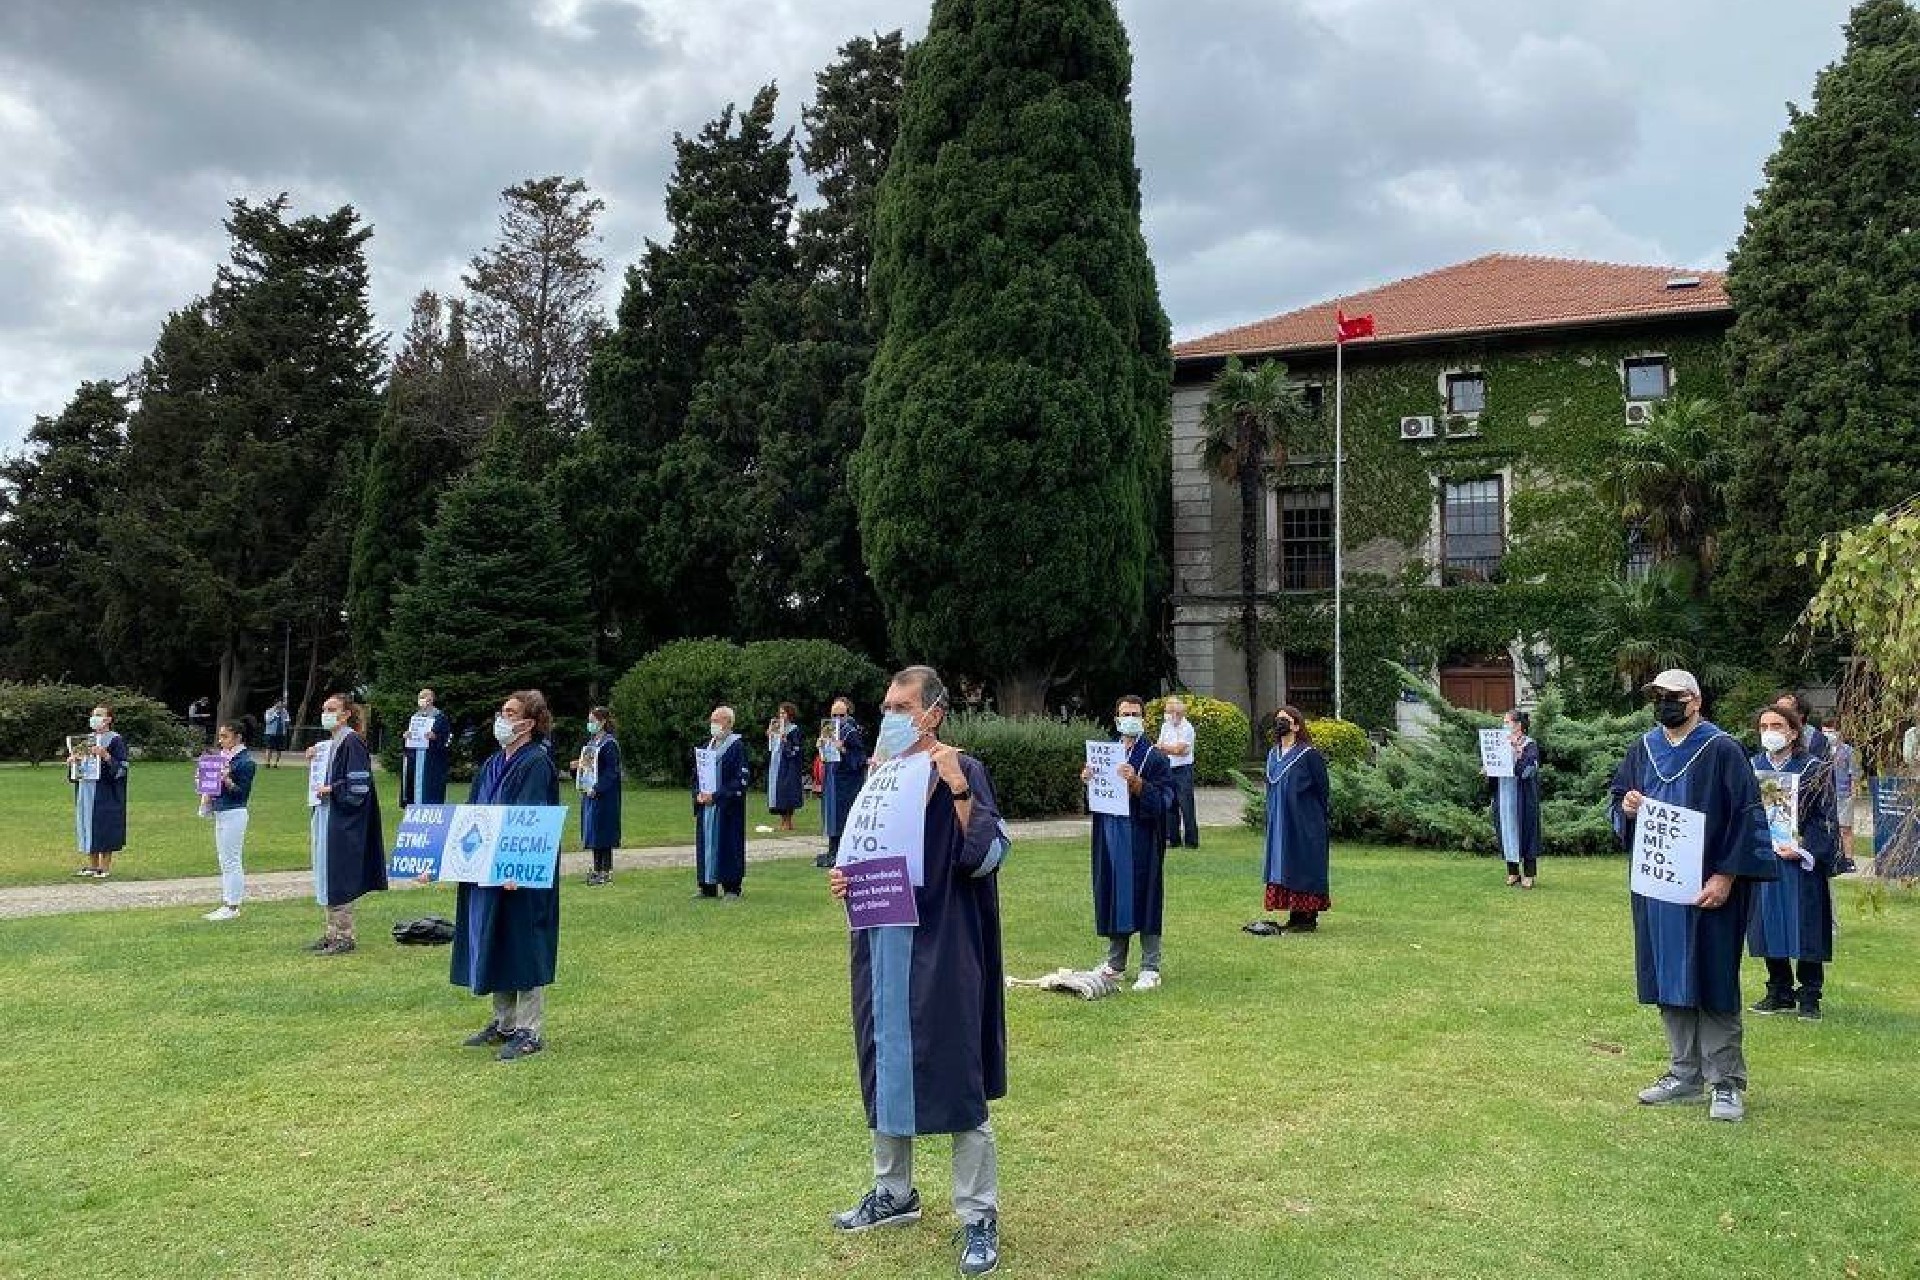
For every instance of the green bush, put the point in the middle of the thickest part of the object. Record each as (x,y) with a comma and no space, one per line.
(1034,761)
(1221,735)
(1340,741)
(36,719)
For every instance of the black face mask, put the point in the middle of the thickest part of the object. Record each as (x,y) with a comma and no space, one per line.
(1670,712)
(1281,728)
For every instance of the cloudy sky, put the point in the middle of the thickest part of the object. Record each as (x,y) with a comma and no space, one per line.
(1291,149)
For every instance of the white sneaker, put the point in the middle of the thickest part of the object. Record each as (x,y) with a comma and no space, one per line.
(222,913)
(1147,981)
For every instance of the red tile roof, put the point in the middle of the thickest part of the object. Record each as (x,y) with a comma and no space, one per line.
(1500,293)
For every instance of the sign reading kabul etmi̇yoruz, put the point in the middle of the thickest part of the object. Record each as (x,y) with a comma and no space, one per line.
(486,844)
(883,846)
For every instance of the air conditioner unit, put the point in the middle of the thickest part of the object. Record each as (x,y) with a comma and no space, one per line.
(1418,428)
(1639,413)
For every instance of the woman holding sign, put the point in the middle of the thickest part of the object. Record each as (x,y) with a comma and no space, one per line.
(97,764)
(1299,807)
(349,853)
(1516,800)
(786,760)
(597,774)
(226,804)
(1793,916)
(506,939)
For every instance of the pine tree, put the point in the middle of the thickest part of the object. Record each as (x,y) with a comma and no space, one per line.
(499,601)
(1016,411)
(1824,355)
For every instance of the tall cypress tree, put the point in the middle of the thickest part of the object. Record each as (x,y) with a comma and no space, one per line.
(1824,354)
(1016,408)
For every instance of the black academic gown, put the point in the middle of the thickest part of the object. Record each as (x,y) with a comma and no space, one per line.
(509,939)
(351,854)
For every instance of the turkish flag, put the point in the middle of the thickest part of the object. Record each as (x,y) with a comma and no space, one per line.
(1346,330)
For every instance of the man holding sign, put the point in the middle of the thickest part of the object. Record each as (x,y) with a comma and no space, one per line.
(1129,798)
(1687,808)
(423,765)
(720,777)
(929,1011)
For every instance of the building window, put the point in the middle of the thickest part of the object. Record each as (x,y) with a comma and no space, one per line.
(1640,558)
(1472,530)
(1648,378)
(1306,539)
(1309,687)
(1466,392)
(1314,396)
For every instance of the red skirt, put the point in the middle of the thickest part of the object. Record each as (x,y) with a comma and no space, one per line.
(1281,898)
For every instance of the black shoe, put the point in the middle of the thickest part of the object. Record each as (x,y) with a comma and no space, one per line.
(319,946)
(823,861)
(1775,1001)
(879,1209)
(1260,928)
(521,1044)
(491,1034)
(338,947)
(979,1243)
(1809,1009)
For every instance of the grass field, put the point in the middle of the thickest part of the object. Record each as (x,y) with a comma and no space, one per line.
(1439,1084)
(165,839)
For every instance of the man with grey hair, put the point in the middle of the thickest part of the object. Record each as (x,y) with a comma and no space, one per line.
(929,1011)
(720,816)
(1176,743)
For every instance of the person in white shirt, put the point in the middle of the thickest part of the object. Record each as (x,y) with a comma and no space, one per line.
(1176,743)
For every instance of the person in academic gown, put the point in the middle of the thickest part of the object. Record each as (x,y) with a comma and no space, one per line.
(1810,737)
(720,817)
(1516,803)
(929,1012)
(423,768)
(786,765)
(841,777)
(506,938)
(598,773)
(1793,916)
(349,852)
(1297,848)
(1687,955)
(100,802)
(1130,853)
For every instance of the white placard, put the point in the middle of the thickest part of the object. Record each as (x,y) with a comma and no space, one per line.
(586,770)
(1669,845)
(1496,753)
(417,730)
(1106,793)
(87,767)
(706,770)
(888,819)
(1780,797)
(317,770)
(830,750)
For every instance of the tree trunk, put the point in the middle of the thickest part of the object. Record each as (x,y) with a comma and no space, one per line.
(1022,693)
(1249,586)
(311,691)
(234,674)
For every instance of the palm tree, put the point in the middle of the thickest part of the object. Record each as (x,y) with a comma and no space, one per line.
(1250,417)
(1666,475)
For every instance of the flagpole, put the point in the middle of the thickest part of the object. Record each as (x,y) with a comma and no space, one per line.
(1339,448)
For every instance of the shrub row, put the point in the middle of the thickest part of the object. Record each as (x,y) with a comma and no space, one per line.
(36,719)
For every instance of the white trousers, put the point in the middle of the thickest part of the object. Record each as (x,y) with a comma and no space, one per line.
(229,834)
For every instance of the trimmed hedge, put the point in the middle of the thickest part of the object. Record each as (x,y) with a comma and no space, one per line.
(1034,761)
(1220,735)
(1340,741)
(35,720)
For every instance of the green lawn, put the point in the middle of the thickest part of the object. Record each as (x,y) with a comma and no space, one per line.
(1439,1084)
(166,839)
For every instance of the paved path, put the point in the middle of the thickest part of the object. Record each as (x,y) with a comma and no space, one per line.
(1217,807)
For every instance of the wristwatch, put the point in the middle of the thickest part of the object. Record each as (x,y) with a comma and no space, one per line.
(964,793)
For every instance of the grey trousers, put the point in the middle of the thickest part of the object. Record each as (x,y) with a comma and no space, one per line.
(1149,952)
(976,1171)
(1705,1046)
(521,1010)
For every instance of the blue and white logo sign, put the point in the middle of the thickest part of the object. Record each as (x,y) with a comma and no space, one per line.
(487,844)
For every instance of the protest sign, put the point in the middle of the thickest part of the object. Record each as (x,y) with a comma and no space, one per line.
(1106,793)
(706,770)
(417,730)
(880,892)
(206,774)
(483,844)
(317,770)
(1669,846)
(889,817)
(1780,797)
(1496,753)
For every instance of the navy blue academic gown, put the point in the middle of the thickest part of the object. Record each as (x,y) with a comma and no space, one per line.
(1685,956)
(349,853)
(423,770)
(600,812)
(1793,916)
(786,769)
(841,779)
(509,940)
(100,808)
(1299,799)
(720,828)
(1516,805)
(1130,853)
(929,1001)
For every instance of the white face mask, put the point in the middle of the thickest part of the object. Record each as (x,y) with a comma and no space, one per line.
(329,720)
(716,729)
(504,731)
(425,703)
(96,723)
(1774,740)
(1130,726)
(593,726)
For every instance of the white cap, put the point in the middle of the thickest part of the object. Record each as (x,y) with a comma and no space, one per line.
(1673,680)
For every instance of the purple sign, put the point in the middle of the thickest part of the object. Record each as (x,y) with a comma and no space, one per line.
(879,892)
(206,774)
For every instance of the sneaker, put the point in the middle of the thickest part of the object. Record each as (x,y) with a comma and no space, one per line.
(102,875)
(1727,1104)
(521,1044)
(1809,1009)
(729,897)
(487,1036)
(338,947)
(1668,1088)
(85,873)
(979,1243)
(879,1209)
(1773,1002)
(823,861)
(1147,981)
(319,945)
(222,913)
